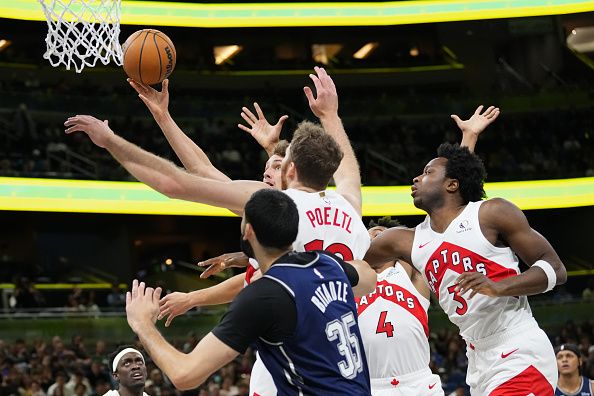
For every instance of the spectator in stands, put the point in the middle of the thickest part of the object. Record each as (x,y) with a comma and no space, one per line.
(156,385)
(35,389)
(116,299)
(97,374)
(101,352)
(26,294)
(79,379)
(59,387)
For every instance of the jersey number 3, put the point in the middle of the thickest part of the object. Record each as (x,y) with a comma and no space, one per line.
(348,345)
(463,307)
(339,249)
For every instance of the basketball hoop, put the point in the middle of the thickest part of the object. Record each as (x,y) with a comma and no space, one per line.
(80,32)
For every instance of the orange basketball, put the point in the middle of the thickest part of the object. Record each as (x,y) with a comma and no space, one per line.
(149,56)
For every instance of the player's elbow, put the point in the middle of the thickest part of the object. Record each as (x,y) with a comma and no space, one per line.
(561,273)
(170,188)
(184,380)
(367,279)
(370,282)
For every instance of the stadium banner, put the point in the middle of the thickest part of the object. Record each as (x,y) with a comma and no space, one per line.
(86,196)
(284,14)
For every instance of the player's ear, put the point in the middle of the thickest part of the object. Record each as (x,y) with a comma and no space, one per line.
(452,185)
(248,231)
(291,170)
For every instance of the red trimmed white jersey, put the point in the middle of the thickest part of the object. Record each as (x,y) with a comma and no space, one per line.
(327,221)
(250,271)
(394,327)
(441,258)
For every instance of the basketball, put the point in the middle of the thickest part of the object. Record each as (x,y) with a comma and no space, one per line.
(149,56)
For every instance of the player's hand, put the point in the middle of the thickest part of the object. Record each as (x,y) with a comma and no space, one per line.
(142,305)
(477,283)
(222,262)
(173,305)
(156,101)
(478,122)
(265,134)
(98,130)
(325,103)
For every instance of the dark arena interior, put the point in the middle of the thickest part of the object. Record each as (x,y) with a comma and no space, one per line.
(78,227)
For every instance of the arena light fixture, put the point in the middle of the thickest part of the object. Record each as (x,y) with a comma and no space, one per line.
(83,196)
(365,51)
(323,53)
(379,13)
(224,53)
(581,39)
(4,44)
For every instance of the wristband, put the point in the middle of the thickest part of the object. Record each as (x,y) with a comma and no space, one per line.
(549,272)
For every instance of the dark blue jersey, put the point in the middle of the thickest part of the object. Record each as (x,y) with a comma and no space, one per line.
(585,390)
(324,356)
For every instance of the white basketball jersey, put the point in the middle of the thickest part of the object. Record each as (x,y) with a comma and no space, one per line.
(394,326)
(441,258)
(329,222)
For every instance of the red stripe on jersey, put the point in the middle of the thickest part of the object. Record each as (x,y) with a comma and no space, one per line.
(458,259)
(249,273)
(530,381)
(398,295)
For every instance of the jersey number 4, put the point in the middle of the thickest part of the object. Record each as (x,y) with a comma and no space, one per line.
(348,345)
(339,249)
(383,326)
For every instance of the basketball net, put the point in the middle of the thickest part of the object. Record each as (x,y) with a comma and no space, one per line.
(80,32)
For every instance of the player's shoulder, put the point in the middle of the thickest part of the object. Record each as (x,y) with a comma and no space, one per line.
(497,209)
(495,204)
(258,292)
(297,258)
(397,233)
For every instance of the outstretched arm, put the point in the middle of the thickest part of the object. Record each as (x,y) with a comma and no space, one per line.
(325,106)
(265,134)
(504,221)
(186,371)
(472,127)
(190,154)
(175,304)
(162,175)
(391,245)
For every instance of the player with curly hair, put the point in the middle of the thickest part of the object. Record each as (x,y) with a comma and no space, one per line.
(466,251)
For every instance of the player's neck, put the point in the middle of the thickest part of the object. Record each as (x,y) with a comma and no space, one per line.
(297,185)
(125,391)
(569,383)
(442,216)
(388,264)
(266,258)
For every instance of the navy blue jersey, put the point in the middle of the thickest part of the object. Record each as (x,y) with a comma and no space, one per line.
(585,390)
(325,354)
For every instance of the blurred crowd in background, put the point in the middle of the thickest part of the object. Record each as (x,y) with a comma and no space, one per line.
(394,132)
(78,367)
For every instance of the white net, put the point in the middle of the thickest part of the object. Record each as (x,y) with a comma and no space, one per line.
(80,32)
